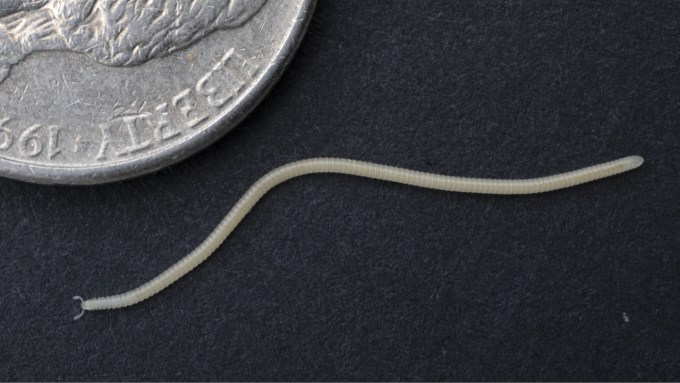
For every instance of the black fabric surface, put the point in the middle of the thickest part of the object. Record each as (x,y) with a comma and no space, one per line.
(333,277)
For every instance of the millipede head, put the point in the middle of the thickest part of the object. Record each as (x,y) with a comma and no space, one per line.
(82,310)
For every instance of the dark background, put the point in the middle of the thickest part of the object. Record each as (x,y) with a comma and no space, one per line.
(333,277)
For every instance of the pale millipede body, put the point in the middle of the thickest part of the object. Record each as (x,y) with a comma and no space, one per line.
(360,169)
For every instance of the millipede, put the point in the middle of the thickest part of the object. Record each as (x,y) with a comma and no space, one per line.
(359,169)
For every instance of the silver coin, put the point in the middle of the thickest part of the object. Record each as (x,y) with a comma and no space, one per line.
(101,90)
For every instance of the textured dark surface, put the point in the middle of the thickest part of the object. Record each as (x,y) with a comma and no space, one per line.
(333,277)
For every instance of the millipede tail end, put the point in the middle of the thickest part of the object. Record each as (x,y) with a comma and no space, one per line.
(635,162)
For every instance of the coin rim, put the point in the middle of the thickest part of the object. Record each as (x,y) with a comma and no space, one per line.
(224,122)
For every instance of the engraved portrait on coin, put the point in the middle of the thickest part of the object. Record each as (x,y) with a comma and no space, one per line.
(100,90)
(114,32)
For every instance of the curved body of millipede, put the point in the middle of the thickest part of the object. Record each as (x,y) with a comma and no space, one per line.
(360,169)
